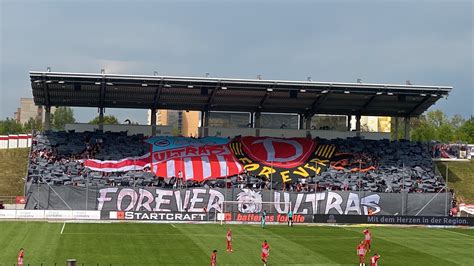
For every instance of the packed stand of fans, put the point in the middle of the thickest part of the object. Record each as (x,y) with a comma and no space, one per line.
(358,165)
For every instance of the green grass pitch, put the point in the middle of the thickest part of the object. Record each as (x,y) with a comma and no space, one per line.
(191,244)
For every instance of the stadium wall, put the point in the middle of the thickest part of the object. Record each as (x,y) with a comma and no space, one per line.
(290,133)
(15,141)
(130,129)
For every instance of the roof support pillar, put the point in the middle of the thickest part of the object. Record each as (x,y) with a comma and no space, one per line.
(395,128)
(205,123)
(358,125)
(308,119)
(349,118)
(101,118)
(301,122)
(307,122)
(153,122)
(47,118)
(407,128)
(251,120)
(257,124)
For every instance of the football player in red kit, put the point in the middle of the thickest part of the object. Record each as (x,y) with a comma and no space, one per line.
(361,253)
(229,240)
(374,259)
(265,252)
(214,258)
(367,238)
(21,254)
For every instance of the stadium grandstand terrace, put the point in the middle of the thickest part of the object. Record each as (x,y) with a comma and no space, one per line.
(349,172)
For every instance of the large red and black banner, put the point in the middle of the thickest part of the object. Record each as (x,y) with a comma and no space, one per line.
(283,160)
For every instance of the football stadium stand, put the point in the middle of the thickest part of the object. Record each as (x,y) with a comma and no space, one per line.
(353,164)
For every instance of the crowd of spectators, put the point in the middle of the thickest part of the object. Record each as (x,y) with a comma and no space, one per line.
(359,165)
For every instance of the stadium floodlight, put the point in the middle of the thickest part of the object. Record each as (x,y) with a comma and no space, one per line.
(302,90)
(379,93)
(390,93)
(144,85)
(434,95)
(109,83)
(224,88)
(61,82)
(347,92)
(37,81)
(49,81)
(97,83)
(167,86)
(190,86)
(325,91)
(423,94)
(269,89)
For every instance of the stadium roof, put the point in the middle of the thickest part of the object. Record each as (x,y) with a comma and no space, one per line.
(229,94)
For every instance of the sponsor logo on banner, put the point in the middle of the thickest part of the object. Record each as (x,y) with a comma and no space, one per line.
(7,214)
(282,160)
(30,214)
(255,218)
(54,214)
(389,219)
(86,215)
(157,216)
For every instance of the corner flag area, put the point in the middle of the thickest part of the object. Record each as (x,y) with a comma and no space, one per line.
(190,244)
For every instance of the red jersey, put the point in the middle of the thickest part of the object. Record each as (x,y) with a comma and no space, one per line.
(20,257)
(367,235)
(265,249)
(213,258)
(374,259)
(361,250)
(229,236)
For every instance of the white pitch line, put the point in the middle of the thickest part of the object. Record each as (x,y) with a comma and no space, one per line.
(173,225)
(62,229)
(454,232)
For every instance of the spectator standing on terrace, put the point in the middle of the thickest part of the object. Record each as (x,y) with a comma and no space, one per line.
(21,254)
(214,258)
(263,216)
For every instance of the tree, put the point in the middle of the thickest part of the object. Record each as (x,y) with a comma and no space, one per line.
(108,120)
(457,121)
(437,118)
(33,124)
(445,133)
(10,126)
(424,131)
(63,116)
(466,131)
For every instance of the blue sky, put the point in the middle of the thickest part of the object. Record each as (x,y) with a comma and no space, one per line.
(426,42)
